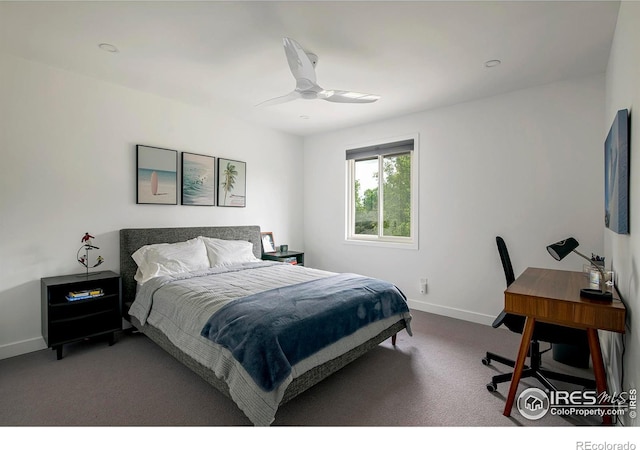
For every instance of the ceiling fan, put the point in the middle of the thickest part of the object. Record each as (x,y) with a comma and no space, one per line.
(302,65)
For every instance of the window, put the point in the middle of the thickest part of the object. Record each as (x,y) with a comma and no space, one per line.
(382,193)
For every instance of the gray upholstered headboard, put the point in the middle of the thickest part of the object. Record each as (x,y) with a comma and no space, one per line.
(131,239)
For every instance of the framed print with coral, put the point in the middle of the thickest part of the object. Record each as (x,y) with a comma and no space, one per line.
(616,174)
(232,182)
(198,179)
(156,175)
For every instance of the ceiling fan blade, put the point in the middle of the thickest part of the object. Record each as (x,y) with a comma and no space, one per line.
(347,97)
(302,66)
(294,95)
(299,63)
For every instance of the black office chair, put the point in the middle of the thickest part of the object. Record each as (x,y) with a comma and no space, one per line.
(552,334)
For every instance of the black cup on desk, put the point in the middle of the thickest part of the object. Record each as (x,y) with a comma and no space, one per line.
(284,248)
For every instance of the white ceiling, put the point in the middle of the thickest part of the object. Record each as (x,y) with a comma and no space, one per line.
(416,55)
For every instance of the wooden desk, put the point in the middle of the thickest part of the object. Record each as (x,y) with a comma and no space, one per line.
(553,296)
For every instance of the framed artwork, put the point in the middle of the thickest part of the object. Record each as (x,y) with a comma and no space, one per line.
(616,174)
(156,175)
(268,244)
(198,179)
(232,182)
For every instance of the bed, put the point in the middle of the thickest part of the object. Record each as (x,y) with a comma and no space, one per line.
(194,316)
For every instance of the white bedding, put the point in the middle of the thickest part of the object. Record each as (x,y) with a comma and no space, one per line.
(180,306)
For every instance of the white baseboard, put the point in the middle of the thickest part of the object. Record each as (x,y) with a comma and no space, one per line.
(22,347)
(456,313)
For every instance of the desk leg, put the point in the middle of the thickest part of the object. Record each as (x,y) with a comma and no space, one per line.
(598,366)
(527,334)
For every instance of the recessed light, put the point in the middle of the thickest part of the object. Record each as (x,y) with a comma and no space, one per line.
(108,48)
(492,63)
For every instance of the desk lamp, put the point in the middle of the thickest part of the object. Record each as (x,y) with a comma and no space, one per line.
(561,249)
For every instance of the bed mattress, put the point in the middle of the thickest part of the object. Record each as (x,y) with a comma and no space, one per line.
(181,306)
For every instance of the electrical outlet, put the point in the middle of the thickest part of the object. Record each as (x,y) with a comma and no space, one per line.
(423,285)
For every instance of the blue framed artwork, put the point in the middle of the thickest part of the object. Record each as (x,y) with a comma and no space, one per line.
(616,174)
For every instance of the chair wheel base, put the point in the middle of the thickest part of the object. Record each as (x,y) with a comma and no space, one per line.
(486,361)
(492,387)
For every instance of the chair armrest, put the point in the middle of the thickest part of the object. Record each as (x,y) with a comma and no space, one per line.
(499,320)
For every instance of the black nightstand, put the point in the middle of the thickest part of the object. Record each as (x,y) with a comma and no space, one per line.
(291,257)
(65,321)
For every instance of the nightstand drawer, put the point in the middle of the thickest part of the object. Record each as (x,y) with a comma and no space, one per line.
(291,257)
(70,329)
(80,308)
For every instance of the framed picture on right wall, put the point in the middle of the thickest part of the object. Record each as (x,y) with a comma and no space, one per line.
(616,174)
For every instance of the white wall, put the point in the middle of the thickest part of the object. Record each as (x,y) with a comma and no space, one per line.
(526,165)
(67,167)
(623,92)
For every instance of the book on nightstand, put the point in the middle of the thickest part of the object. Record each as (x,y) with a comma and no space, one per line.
(82,295)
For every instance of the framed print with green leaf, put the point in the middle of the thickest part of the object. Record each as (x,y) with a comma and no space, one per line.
(232,182)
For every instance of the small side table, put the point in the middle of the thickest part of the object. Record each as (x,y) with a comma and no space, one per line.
(99,312)
(292,257)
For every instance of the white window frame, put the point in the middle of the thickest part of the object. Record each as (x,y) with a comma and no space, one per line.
(410,242)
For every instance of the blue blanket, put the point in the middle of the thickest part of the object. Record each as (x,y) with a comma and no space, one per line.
(270,332)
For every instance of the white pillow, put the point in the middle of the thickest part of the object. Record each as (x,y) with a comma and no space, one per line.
(223,252)
(169,259)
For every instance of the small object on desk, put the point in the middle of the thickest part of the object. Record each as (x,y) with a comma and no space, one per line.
(596,294)
(284,248)
(562,248)
(593,275)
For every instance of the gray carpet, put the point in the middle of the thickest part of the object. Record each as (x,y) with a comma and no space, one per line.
(433,379)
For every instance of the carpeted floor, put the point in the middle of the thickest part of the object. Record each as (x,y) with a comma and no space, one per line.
(434,378)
